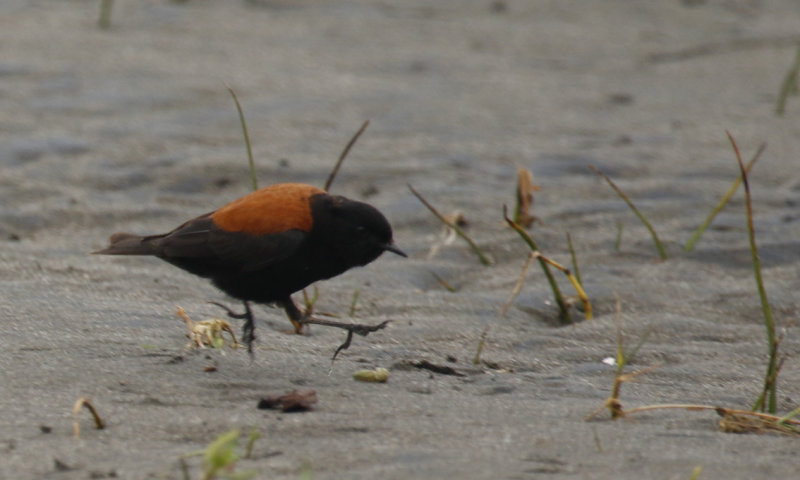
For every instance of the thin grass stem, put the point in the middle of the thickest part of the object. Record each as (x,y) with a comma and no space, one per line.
(563,308)
(459,231)
(104,21)
(618,240)
(659,246)
(771,378)
(723,201)
(789,85)
(353,303)
(574,259)
(574,281)
(253,177)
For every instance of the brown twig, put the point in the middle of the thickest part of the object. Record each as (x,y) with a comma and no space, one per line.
(85,402)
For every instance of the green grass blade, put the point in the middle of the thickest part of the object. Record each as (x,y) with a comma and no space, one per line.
(771,378)
(574,259)
(104,21)
(659,246)
(563,308)
(724,201)
(246,138)
(789,85)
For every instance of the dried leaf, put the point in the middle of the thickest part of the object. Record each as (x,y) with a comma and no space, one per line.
(525,189)
(294,401)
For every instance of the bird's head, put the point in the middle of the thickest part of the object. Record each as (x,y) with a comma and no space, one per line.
(357,231)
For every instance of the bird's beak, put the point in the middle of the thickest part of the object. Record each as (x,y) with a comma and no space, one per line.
(394,249)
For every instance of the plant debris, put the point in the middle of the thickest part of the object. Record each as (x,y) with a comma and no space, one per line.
(563,306)
(206,333)
(293,401)
(85,402)
(375,375)
(432,367)
(525,189)
(742,421)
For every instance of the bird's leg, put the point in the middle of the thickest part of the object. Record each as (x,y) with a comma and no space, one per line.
(249,327)
(298,319)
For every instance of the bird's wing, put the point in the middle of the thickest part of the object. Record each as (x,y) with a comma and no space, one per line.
(201,240)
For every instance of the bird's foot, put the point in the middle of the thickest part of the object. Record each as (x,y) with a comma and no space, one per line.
(300,319)
(351,328)
(300,327)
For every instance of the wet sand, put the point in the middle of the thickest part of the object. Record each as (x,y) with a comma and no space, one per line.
(133,129)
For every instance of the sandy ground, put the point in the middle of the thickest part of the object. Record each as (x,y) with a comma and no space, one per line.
(133,129)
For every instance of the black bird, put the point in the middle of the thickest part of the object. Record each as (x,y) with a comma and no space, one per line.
(269,244)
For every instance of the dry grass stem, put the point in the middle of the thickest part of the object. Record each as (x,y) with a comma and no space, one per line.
(525,189)
(575,283)
(745,421)
(85,402)
(563,308)
(732,420)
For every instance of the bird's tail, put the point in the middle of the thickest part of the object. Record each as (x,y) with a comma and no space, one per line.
(128,244)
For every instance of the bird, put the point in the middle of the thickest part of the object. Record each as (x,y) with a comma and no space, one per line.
(269,244)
